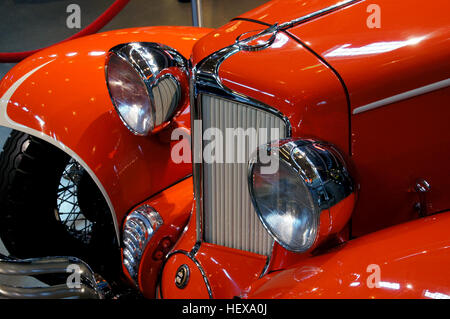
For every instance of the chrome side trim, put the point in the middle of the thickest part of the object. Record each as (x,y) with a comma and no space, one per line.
(403,96)
(7,122)
(205,80)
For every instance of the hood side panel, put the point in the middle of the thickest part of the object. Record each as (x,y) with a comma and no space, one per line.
(410,50)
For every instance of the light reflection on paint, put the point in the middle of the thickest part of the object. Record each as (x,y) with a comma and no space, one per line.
(373,48)
(280,41)
(214,261)
(390,285)
(96,53)
(435,295)
(41,121)
(250,88)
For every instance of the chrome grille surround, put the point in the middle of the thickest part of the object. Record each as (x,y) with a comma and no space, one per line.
(205,81)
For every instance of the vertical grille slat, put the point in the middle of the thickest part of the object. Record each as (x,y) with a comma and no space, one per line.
(229,217)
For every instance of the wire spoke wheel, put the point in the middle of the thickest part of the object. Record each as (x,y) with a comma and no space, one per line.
(68,210)
(51,206)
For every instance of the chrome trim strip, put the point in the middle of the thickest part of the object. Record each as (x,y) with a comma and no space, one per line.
(7,122)
(403,96)
(267,264)
(205,80)
(317,14)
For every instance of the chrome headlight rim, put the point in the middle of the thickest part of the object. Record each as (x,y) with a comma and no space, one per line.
(154,62)
(316,177)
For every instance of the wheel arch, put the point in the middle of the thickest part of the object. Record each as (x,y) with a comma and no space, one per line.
(60,95)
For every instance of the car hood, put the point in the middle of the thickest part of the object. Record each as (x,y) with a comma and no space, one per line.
(284,76)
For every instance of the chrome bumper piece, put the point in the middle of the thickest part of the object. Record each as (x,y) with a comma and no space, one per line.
(86,286)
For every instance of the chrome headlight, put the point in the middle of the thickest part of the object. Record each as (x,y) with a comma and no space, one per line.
(148,84)
(307,198)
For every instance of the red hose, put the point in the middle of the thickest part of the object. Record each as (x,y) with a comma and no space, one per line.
(98,23)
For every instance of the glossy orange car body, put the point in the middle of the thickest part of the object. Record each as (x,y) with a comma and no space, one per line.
(365,90)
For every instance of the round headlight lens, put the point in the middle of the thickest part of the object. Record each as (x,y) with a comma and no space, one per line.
(148,84)
(129,95)
(298,202)
(285,206)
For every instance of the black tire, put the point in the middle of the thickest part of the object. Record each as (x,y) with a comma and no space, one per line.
(30,223)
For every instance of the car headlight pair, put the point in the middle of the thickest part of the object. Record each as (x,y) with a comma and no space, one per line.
(307,198)
(146,82)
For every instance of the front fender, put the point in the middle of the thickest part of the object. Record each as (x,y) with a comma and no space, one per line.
(60,95)
(411,260)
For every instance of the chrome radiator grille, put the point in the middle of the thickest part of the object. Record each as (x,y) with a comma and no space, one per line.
(229,218)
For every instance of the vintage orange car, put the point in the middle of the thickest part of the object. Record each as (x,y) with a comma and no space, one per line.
(316,166)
